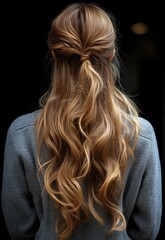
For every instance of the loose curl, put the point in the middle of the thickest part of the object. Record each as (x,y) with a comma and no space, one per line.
(89,126)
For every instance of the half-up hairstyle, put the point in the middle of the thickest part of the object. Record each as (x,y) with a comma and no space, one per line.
(88,125)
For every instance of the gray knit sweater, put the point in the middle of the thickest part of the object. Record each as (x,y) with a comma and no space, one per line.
(30,214)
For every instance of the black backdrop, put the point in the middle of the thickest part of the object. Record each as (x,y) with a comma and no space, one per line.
(24,75)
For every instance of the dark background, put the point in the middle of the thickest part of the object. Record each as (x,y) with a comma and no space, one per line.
(24,73)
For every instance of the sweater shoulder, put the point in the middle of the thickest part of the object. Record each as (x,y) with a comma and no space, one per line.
(23,121)
(146,129)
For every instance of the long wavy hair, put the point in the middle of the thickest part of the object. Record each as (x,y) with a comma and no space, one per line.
(88,124)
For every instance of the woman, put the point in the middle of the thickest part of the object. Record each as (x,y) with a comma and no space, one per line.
(85,165)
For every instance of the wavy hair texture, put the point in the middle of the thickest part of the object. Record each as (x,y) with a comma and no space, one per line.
(89,126)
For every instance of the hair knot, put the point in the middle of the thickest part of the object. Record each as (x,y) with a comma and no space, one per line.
(84,57)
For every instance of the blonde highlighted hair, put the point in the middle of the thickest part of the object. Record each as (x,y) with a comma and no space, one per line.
(89,126)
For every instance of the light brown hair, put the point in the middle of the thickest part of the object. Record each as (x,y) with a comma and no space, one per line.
(88,124)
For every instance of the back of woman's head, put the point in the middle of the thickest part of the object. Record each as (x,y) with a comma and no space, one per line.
(82,30)
(81,36)
(86,122)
